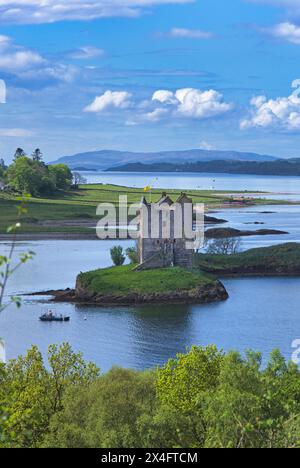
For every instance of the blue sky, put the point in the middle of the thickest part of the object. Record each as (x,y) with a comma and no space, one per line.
(150,75)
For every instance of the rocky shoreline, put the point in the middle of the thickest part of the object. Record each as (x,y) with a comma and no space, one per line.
(204,294)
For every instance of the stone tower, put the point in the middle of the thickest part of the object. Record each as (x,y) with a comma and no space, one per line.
(165,236)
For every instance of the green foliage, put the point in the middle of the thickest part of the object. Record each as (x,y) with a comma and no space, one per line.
(117,255)
(62,175)
(283,258)
(185,384)
(32,394)
(133,255)
(25,175)
(34,177)
(108,413)
(203,398)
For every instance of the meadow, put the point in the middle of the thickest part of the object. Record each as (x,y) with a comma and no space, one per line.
(70,211)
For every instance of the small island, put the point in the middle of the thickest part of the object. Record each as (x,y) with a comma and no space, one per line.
(125,285)
(166,272)
(277,260)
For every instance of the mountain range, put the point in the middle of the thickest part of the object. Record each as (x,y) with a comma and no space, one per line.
(108,159)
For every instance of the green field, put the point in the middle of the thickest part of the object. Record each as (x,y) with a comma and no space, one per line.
(124,280)
(80,205)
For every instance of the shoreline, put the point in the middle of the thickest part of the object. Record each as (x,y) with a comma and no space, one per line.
(205,294)
(91,234)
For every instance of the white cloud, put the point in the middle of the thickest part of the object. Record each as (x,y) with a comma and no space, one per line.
(201,104)
(109,100)
(286,31)
(15,133)
(86,53)
(14,58)
(49,11)
(165,104)
(194,103)
(164,96)
(190,33)
(156,115)
(282,112)
(291,5)
(29,64)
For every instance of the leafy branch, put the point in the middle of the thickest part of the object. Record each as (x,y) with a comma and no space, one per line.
(7,267)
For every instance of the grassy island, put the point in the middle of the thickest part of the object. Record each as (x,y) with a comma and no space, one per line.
(125,280)
(278,260)
(124,285)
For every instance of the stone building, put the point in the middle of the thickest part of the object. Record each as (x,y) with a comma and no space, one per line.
(166,233)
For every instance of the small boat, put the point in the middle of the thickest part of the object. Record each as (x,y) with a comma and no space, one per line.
(51,317)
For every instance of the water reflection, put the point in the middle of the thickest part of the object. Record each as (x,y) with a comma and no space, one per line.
(168,326)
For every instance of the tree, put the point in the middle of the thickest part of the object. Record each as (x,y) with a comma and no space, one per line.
(253,408)
(32,394)
(63,176)
(37,155)
(25,176)
(78,179)
(2,170)
(184,385)
(107,413)
(19,153)
(117,255)
(133,255)
(224,246)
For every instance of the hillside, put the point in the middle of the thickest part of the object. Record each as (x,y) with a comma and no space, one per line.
(278,260)
(282,167)
(105,159)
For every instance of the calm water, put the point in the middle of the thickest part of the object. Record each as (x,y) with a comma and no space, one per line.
(260,314)
(280,217)
(278,185)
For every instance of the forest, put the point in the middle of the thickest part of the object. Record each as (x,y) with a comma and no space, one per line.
(204,398)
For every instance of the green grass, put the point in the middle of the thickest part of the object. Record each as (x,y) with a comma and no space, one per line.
(124,280)
(283,258)
(81,204)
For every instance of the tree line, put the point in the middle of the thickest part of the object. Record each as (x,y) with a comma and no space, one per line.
(30,174)
(281,167)
(203,398)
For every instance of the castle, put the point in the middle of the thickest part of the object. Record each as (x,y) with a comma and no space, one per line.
(165,232)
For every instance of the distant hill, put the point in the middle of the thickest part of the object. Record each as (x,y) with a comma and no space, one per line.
(277,167)
(104,159)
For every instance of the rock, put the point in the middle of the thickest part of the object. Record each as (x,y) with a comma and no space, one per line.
(212,220)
